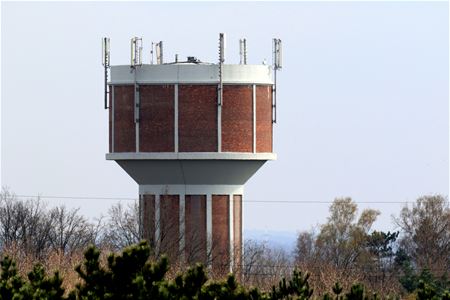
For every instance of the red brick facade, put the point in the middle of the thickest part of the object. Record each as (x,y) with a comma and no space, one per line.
(124,127)
(156,132)
(264,118)
(197,118)
(148,218)
(195,225)
(220,232)
(170,225)
(237,118)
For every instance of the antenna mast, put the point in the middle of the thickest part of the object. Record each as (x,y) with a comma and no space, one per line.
(221,61)
(159,53)
(106,64)
(243,51)
(136,52)
(277,65)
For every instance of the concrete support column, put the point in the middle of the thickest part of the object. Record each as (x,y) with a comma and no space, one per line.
(231,230)
(176,118)
(209,230)
(182,214)
(157,223)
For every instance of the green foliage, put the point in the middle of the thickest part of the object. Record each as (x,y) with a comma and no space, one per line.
(39,285)
(296,288)
(131,275)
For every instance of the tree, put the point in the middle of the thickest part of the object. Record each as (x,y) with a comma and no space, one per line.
(122,226)
(70,231)
(341,240)
(426,233)
(23,224)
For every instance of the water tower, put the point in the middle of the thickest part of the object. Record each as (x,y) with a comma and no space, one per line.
(191,134)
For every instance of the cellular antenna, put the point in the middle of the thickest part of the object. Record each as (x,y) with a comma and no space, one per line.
(136,51)
(243,51)
(277,65)
(106,64)
(221,61)
(159,53)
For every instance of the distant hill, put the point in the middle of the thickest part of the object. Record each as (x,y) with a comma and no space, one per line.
(282,239)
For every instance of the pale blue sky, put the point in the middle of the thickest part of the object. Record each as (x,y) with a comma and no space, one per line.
(362,99)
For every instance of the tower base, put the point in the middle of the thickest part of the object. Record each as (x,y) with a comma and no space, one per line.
(194,223)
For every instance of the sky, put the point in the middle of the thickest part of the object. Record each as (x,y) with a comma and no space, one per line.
(363,99)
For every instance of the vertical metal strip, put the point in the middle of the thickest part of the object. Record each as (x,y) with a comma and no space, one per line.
(136,108)
(254,117)
(182,227)
(176,118)
(209,229)
(141,216)
(231,231)
(157,223)
(219,127)
(112,119)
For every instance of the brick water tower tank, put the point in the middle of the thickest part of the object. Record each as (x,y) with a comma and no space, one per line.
(191,134)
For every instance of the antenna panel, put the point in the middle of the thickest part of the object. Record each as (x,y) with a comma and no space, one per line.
(106,52)
(136,51)
(277,54)
(243,51)
(159,53)
(222,48)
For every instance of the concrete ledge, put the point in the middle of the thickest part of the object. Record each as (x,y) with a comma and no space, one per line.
(192,74)
(190,156)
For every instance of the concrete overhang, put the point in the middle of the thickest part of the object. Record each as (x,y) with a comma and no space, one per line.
(191,168)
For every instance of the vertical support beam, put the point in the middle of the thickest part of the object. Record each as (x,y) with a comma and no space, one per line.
(219,127)
(141,216)
(157,223)
(176,118)
(136,108)
(112,118)
(182,221)
(209,230)
(254,117)
(231,231)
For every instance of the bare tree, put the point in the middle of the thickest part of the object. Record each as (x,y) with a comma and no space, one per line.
(122,226)
(70,231)
(264,265)
(23,224)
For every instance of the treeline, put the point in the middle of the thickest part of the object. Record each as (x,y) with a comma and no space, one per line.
(344,249)
(131,275)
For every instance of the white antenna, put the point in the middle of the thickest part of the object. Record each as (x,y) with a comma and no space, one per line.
(277,65)
(221,61)
(106,60)
(159,53)
(106,52)
(136,51)
(151,54)
(221,48)
(243,51)
(277,54)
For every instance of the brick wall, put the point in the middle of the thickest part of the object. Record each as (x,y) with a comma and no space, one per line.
(264,118)
(220,232)
(197,118)
(148,218)
(195,225)
(124,127)
(156,132)
(237,118)
(170,225)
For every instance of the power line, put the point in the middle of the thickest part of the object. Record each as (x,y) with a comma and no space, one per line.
(244,200)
